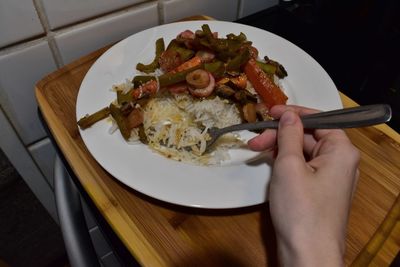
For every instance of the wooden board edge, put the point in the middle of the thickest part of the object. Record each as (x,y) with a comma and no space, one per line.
(384,128)
(376,244)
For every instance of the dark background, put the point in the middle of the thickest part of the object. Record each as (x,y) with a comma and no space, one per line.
(357,42)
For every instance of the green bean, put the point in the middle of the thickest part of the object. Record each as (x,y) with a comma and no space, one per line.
(120,120)
(124,98)
(241,37)
(89,120)
(153,65)
(173,78)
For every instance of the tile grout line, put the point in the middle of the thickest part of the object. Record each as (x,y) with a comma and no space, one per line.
(239,12)
(40,10)
(160,9)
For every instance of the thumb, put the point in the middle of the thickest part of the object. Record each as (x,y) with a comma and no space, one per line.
(290,135)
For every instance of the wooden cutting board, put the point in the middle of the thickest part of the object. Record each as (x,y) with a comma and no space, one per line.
(161,234)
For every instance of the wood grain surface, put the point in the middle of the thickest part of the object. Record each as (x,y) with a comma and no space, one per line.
(161,234)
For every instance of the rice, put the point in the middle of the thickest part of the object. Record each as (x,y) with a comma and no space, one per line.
(176,126)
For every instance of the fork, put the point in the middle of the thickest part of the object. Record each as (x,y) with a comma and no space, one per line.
(360,116)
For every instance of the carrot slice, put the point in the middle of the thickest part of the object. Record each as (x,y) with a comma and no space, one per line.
(269,92)
(194,61)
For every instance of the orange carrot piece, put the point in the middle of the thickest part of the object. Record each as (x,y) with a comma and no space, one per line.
(269,92)
(194,61)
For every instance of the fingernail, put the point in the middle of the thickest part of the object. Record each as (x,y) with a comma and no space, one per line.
(288,118)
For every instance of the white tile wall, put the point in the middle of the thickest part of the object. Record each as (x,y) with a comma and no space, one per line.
(61,12)
(18,21)
(44,154)
(249,7)
(20,69)
(219,9)
(78,41)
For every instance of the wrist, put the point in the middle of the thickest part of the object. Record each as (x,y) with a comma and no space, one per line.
(310,252)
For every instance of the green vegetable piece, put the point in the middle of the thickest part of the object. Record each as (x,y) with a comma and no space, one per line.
(217,68)
(280,70)
(160,47)
(124,98)
(207,31)
(241,37)
(235,63)
(142,135)
(267,68)
(184,53)
(120,120)
(89,120)
(173,78)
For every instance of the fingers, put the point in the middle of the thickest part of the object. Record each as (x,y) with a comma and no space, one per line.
(264,141)
(267,140)
(278,110)
(290,135)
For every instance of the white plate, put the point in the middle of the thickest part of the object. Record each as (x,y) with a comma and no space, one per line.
(228,186)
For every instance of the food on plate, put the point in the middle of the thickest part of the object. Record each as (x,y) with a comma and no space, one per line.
(198,81)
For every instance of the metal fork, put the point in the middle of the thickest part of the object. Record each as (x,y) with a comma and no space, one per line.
(336,119)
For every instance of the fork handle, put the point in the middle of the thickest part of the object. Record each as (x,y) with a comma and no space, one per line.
(360,116)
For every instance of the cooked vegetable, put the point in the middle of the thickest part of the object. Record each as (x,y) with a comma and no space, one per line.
(173,78)
(235,63)
(89,120)
(239,81)
(269,92)
(280,70)
(141,79)
(174,56)
(249,112)
(153,65)
(148,89)
(134,119)
(224,91)
(244,97)
(169,60)
(267,68)
(217,68)
(191,63)
(121,121)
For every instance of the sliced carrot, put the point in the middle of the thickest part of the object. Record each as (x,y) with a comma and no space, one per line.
(193,62)
(269,92)
(147,89)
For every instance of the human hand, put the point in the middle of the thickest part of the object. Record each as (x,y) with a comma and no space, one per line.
(313,179)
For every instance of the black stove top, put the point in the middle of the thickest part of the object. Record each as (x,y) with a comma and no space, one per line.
(357,42)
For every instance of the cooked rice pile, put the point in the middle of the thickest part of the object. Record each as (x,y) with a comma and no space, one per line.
(176,126)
